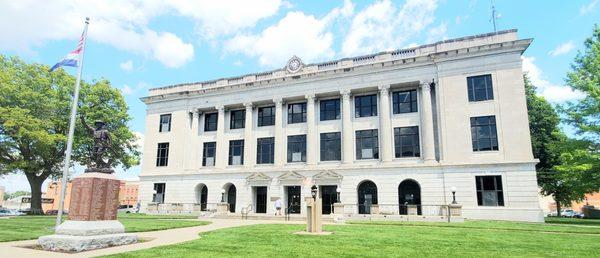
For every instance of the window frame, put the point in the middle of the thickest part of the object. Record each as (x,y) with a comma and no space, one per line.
(162,159)
(472,89)
(413,101)
(237,119)
(325,114)
(261,116)
(493,134)
(326,141)
(296,141)
(161,123)
(208,124)
(260,146)
(205,148)
(399,144)
(292,116)
(358,106)
(498,190)
(374,137)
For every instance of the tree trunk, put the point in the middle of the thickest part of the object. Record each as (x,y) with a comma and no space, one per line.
(35,183)
(558,208)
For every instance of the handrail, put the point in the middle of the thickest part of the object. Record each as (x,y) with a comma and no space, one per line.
(246,210)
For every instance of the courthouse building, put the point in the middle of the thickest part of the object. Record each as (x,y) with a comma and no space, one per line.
(379,132)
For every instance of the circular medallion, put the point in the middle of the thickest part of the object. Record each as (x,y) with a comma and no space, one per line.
(294,65)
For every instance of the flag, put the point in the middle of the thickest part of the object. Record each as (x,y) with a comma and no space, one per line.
(72,59)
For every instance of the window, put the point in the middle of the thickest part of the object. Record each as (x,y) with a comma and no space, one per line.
(296,148)
(367,144)
(483,133)
(480,87)
(331,147)
(162,155)
(238,119)
(265,150)
(165,123)
(330,109)
(266,116)
(210,122)
(404,101)
(365,106)
(236,152)
(297,113)
(159,193)
(489,191)
(406,141)
(209,153)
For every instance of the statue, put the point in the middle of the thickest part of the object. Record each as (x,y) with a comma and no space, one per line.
(101,146)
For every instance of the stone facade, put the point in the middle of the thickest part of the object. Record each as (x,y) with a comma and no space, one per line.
(437,72)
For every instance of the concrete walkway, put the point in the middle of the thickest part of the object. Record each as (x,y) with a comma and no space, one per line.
(154,238)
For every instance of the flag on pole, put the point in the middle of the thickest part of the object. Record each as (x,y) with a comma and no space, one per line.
(72,58)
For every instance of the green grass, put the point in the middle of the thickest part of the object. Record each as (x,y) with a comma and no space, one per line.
(390,240)
(32,227)
(573,221)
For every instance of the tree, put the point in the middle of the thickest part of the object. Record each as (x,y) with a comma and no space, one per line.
(34,117)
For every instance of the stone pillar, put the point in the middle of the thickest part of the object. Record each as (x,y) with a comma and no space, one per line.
(311,135)
(427,124)
(347,130)
(249,141)
(385,124)
(221,157)
(280,153)
(193,157)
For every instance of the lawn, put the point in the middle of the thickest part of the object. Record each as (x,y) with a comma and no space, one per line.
(470,239)
(32,227)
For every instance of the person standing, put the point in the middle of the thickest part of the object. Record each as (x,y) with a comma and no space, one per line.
(278,207)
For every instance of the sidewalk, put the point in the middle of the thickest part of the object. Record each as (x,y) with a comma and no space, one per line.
(156,238)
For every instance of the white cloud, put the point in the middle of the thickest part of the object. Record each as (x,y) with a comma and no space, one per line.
(437,33)
(552,92)
(139,140)
(126,90)
(382,26)
(562,49)
(127,66)
(585,9)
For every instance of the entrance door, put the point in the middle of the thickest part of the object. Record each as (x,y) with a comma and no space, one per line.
(231,192)
(367,196)
(328,196)
(203,197)
(409,195)
(293,199)
(261,199)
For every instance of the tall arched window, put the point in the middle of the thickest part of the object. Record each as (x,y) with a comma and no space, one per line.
(202,196)
(367,196)
(230,194)
(409,197)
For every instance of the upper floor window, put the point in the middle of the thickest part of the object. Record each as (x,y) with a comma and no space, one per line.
(483,133)
(406,141)
(162,154)
(297,113)
(265,150)
(367,144)
(404,101)
(489,191)
(330,109)
(236,152)
(365,106)
(165,123)
(210,122)
(296,148)
(209,153)
(238,119)
(331,147)
(480,87)
(266,116)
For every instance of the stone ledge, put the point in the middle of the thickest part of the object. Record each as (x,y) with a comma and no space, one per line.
(66,243)
(90,228)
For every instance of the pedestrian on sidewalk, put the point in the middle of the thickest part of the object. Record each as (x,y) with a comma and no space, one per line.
(278,206)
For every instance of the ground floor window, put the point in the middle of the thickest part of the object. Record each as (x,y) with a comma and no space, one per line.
(159,193)
(367,196)
(489,191)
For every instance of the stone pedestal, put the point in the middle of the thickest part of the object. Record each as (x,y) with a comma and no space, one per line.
(374,209)
(412,210)
(222,208)
(92,220)
(455,213)
(313,215)
(338,208)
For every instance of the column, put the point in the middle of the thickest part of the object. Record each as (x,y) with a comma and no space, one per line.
(194,140)
(427,124)
(385,124)
(249,141)
(347,130)
(221,157)
(311,132)
(280,152)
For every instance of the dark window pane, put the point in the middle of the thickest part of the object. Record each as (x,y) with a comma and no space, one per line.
(489,191)
(210,122)
(296,148)
(266,116)
(162,154)
(330,109)
(406,140)
(265,150)
(480,87)
(483,133)
(296,113)
(236,152)
(404,101)
(365,106)
(208,158)
(165,123)
(367,144)
(238,119)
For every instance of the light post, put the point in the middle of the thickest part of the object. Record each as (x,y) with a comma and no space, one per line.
(222,195)
(338,191)
(453,189)
(313,192)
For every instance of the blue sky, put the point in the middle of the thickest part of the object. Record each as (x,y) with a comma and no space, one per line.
(139,44)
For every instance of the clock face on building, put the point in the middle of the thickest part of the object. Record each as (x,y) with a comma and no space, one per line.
(294,65)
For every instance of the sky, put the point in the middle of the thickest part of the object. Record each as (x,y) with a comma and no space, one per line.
(140,44)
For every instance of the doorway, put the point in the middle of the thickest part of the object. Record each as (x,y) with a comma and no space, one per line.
(409,194)
(231,194)
(261,199)
(328,197)
(293,199)
(367,196)
(202,196)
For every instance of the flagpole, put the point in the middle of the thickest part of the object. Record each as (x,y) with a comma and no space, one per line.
(67,163)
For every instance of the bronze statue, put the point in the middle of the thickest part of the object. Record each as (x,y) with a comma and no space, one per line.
(101,146)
